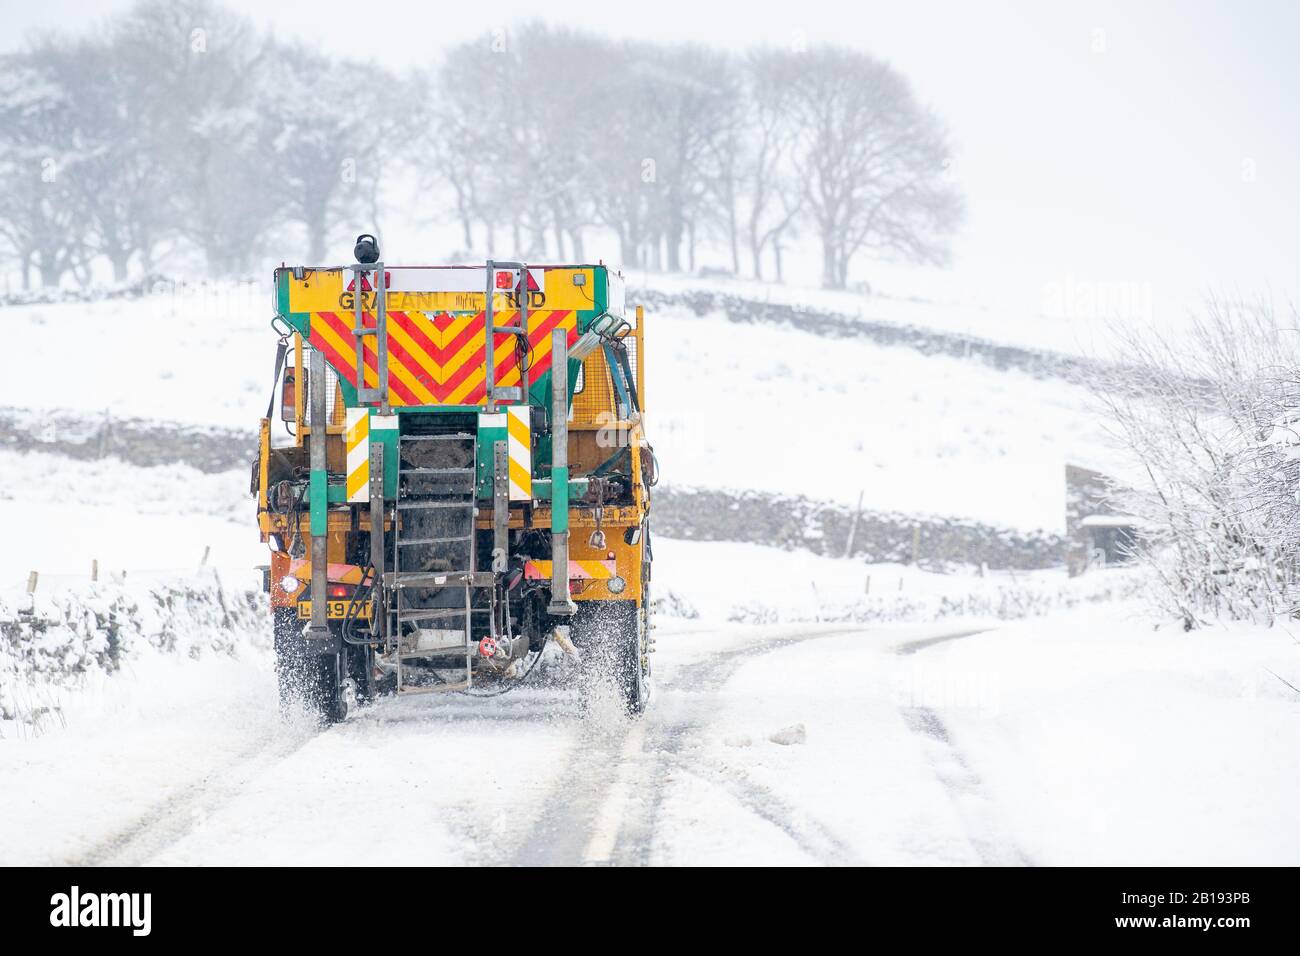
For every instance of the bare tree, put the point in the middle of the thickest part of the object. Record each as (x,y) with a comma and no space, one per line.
(37,147)
(872,161)
(326,122)
(771,184)
(466,115)
(114,183)
(198,67)
(694,97)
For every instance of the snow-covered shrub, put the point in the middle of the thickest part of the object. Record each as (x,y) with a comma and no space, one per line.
(1210,418)
(672,604)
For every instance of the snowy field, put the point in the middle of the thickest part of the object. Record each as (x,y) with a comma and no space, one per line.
(1075,318)
(803,415)
(1072,739)
(142,521)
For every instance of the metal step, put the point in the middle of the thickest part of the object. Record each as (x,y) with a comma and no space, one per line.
(431,653)
(437,471)
(460,436)
(440,579)
(430,613)
(416,505)
(435,688)
(404,542)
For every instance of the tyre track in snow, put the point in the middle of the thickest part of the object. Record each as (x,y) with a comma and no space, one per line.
(990,842)
(674,746)
(177,816)
(670,746)
(606,807)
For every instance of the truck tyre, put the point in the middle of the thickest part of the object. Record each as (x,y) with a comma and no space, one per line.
(306,679)
(611,638)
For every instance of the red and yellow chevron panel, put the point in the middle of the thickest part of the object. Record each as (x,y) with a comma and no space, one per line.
(437,358)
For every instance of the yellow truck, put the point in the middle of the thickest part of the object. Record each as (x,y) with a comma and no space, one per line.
(467,479)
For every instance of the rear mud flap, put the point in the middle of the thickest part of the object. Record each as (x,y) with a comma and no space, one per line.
(323,647)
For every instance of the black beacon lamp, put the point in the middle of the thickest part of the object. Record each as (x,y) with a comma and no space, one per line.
(367,249)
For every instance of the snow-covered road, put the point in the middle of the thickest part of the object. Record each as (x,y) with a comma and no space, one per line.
(809,744)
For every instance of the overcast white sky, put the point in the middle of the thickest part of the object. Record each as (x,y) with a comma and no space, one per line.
(1100,142)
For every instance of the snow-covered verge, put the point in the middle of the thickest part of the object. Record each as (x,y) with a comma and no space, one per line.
(57,644)
(1088,737)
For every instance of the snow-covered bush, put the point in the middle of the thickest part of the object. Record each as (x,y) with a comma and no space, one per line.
(1210,419)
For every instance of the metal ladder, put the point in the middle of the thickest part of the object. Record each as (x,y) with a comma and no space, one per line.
(513,393)
(434,577)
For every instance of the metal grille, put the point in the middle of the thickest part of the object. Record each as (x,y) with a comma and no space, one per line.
(333,399)
(632,358)
(594,397)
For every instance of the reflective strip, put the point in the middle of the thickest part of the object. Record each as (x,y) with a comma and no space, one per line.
(358,445)
(519,445)
(300,568)
(578,570)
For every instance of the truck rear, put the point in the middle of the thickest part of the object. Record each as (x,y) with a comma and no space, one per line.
(467,479)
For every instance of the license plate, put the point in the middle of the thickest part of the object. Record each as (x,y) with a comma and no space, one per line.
(337,609)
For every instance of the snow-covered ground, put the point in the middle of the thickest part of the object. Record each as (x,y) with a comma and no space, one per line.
(923,727)
(1087,737)
(729,406)
(1075,318)
(829,419)
(63,514)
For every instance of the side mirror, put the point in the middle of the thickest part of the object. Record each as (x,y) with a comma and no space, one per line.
(289,393)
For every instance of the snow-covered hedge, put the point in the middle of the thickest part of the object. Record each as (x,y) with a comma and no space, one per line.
(1002,600)
(55,639)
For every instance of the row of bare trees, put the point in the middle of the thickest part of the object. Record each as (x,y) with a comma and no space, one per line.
(550,132)
(178,128)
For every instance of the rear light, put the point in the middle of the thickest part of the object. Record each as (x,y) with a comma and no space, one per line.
(578,585)
(339,590)
(505,280)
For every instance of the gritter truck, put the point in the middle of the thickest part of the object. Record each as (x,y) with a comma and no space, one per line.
(461,477)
